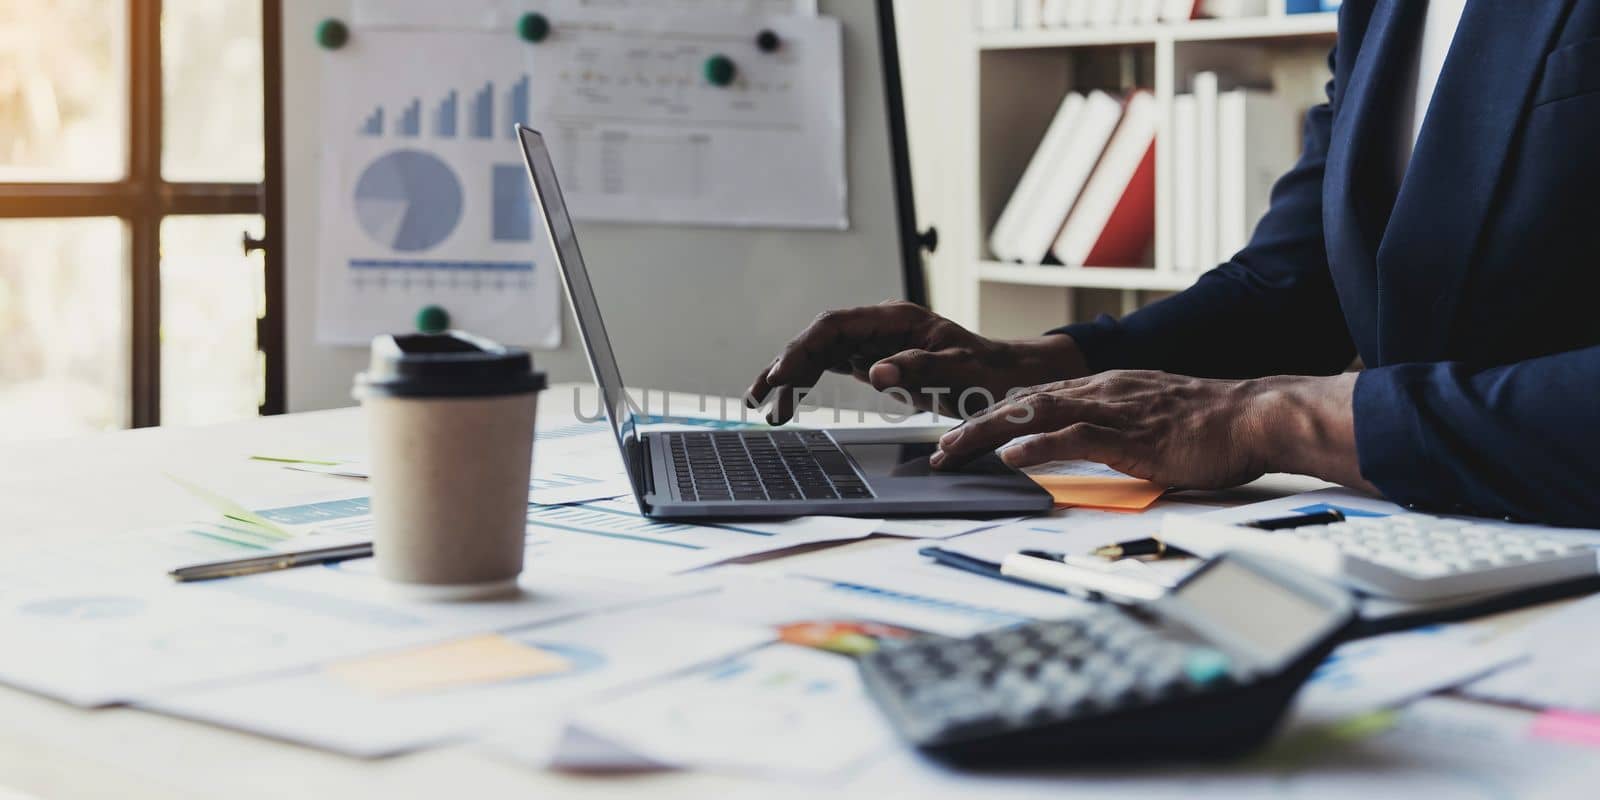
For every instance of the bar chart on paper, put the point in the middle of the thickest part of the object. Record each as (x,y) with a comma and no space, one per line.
(411,200)
(426,201)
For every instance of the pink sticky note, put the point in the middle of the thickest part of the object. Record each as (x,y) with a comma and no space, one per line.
(1568,726)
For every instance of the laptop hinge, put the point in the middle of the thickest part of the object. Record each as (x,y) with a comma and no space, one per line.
(647,465)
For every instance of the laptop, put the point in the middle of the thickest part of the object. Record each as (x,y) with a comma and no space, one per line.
(771,472)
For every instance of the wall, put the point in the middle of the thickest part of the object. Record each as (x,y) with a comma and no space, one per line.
(939,75)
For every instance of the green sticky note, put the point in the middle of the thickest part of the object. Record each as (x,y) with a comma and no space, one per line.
(290,460)
(231,509)
(1300,748)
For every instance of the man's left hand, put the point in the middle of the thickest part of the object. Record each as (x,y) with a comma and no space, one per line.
(1175,430)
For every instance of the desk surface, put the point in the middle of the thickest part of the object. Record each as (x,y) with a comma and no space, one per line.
(117,481)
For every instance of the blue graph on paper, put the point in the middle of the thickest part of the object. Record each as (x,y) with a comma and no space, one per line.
(561,480)
(411,200)
(445,120)
(513,204)
(408,200)
(613,523)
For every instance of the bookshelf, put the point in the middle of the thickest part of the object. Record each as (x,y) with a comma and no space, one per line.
(1286,26)
(1083,277)
(1018,79)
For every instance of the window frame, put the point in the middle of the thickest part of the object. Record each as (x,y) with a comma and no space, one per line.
(143,198)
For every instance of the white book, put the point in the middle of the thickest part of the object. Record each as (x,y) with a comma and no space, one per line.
(1066,176)
(1185,185)
(1233,9)
(1128,11)
(1103,12)
(1128,147)
(1078,12)
(1149,12)
(1030,14)
(1003,238)
(997,15)
(1053,14)
(1205,102)
(1257,135)
(1176,10)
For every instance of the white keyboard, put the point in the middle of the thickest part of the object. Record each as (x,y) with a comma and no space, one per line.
(1412,557)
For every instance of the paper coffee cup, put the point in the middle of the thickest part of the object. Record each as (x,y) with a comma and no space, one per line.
(450,426)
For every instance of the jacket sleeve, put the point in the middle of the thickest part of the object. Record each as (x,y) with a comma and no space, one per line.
(1518,440)
(1270,310)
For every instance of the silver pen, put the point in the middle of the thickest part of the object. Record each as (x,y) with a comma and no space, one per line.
(234,567)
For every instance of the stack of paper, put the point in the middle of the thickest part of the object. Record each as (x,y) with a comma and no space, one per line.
(897,585)
(407,699)
(779,712)
(1561,666)
(95,632)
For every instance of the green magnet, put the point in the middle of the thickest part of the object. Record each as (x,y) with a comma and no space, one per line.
(533,27)
(433,319)
(720,70)
(332,34)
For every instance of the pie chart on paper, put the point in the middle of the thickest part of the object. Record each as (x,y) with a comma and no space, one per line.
(408,200)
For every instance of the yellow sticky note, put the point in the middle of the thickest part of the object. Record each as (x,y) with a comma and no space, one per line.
(1094,491)
(464,662)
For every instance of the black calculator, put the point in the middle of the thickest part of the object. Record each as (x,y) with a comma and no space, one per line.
(1205,671)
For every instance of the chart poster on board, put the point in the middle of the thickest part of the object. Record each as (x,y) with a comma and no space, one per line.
(720,120)
(425,201)
(695,119)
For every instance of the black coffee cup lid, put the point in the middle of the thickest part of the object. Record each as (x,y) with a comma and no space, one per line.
(449,364)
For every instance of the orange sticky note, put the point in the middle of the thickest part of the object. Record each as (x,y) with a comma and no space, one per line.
(464,662)
(1094,491)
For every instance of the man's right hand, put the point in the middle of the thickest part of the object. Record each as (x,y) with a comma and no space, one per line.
(900,345)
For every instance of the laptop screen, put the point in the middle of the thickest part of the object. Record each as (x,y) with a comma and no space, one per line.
(591,328)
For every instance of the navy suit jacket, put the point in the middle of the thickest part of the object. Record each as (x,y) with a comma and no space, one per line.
(1471,291)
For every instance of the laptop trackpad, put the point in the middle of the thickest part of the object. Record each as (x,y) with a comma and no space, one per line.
(911,460)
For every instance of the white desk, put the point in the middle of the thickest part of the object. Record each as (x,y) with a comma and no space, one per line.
(116,482)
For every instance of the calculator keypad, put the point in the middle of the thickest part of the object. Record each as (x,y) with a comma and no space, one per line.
(1033,674)
(1434,547)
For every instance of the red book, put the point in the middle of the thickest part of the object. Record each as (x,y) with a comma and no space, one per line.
(1127,236)
(1175,10)
(1114,221)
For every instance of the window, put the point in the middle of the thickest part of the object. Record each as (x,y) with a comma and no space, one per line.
(134,189)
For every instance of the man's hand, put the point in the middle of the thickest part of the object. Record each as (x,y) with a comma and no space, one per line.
(1178,431)
(899,345)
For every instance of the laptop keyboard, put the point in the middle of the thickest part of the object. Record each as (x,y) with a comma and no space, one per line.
(749,466)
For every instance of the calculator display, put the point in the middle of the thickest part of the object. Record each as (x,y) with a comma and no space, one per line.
(1273,619)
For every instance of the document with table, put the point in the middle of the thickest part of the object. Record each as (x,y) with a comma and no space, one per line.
(645,645)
